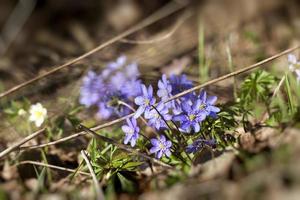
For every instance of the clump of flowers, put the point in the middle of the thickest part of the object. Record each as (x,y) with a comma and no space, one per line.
(185,115)
(117,83)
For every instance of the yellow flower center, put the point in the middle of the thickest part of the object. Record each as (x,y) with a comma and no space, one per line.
(202,106)
(192,117)
(161,146)
(38,114)
(147,101)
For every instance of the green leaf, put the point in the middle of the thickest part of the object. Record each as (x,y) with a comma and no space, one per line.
(289,94)
(126,184)
(131,165)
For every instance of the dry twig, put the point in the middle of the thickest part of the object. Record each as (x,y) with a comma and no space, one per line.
(23,141)
(52,166)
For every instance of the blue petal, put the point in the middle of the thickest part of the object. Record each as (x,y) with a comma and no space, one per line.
(159,154)
(154,149)
(186,107)
(162,138)
(160,84)
(139,112)
(196,127)
(150,91)
(127,138)
(168,153)
(144,89)
(126,129)
(185,125)
(211,100)
(214,109)
(154,142)
(132,142)
(134,123)
(168,144)
(139,100)
(181,117)
(202,95)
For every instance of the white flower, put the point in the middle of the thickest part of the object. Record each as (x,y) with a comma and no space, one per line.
(21,112)
(37,114)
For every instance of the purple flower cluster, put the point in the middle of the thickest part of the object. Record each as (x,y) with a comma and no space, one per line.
(118,86)
(188,111)
(117,82)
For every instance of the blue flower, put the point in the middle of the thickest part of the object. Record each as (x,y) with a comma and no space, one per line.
(91,89)
(112,67)
(161,147)
(190,117)
(199,144)
(131,131)
(117,81)
(164,88)
(206,104)
(180,83)
(132,88)
(131,71)
(104,111)
(155,118)
(145,101)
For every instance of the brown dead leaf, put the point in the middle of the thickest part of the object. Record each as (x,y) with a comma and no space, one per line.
(247,141)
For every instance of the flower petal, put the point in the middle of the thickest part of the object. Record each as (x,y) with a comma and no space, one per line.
(139,112)
(159,154)
(144,89)
(127,129)
(150,91)
(139,100)
(211,100)
(154,149)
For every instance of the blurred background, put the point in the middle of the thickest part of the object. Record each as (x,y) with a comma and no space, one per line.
(37,35)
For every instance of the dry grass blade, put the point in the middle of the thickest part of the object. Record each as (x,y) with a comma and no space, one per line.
(164,12)
(23,141)
(99,192)
(52,166)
